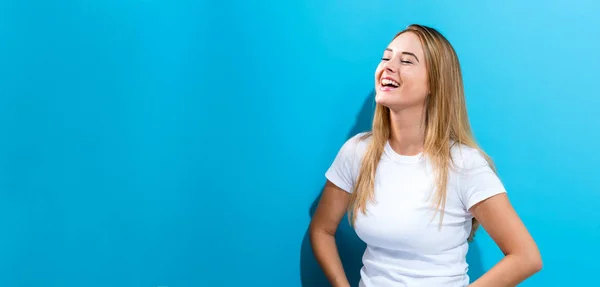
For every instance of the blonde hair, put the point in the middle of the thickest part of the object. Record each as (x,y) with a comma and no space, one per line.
(446,121)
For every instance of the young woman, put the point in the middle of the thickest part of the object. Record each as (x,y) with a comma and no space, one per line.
(417,186)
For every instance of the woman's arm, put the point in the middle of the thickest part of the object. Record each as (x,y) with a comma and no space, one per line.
(330,211)
(522,257)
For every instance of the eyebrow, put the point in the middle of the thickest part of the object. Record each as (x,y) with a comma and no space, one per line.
(405,53)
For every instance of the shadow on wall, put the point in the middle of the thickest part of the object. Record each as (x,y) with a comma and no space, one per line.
(350,247)
(474,260)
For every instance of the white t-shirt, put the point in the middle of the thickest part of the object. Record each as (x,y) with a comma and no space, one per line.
(405,246)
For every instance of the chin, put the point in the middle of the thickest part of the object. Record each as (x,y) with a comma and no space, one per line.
(394,105)
(396,101)
(386,99)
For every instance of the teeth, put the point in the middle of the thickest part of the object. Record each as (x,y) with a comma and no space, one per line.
(389,82)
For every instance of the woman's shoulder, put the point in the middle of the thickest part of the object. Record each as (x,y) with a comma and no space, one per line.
(345,167)
(466,157)
(360,140)
(355,146)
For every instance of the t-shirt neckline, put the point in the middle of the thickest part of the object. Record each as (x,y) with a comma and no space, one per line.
(390,152)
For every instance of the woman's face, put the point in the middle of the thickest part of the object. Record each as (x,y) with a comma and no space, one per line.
(401,76)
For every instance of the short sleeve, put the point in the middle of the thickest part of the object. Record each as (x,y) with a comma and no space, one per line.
(480,182)
(344,169)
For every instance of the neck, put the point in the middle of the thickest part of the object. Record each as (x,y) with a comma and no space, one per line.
(407,130)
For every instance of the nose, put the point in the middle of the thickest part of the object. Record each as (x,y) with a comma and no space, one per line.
(391,65)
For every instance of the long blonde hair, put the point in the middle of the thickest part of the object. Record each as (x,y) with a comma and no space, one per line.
(446,121)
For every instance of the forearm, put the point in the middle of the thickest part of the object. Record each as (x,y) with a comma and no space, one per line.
(510,271)
(326,254)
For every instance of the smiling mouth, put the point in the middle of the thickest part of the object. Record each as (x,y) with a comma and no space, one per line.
(389,84)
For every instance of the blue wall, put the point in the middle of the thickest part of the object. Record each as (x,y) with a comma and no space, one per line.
(182,143)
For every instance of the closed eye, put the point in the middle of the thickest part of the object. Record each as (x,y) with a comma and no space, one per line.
(404,62)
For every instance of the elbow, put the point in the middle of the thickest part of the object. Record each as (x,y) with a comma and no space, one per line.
(532,263)
(313,232)
(535,261)
(536,264)
(315,237)
(527,262)
(316,232)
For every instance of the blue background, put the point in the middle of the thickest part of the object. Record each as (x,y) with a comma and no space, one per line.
(182,143)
